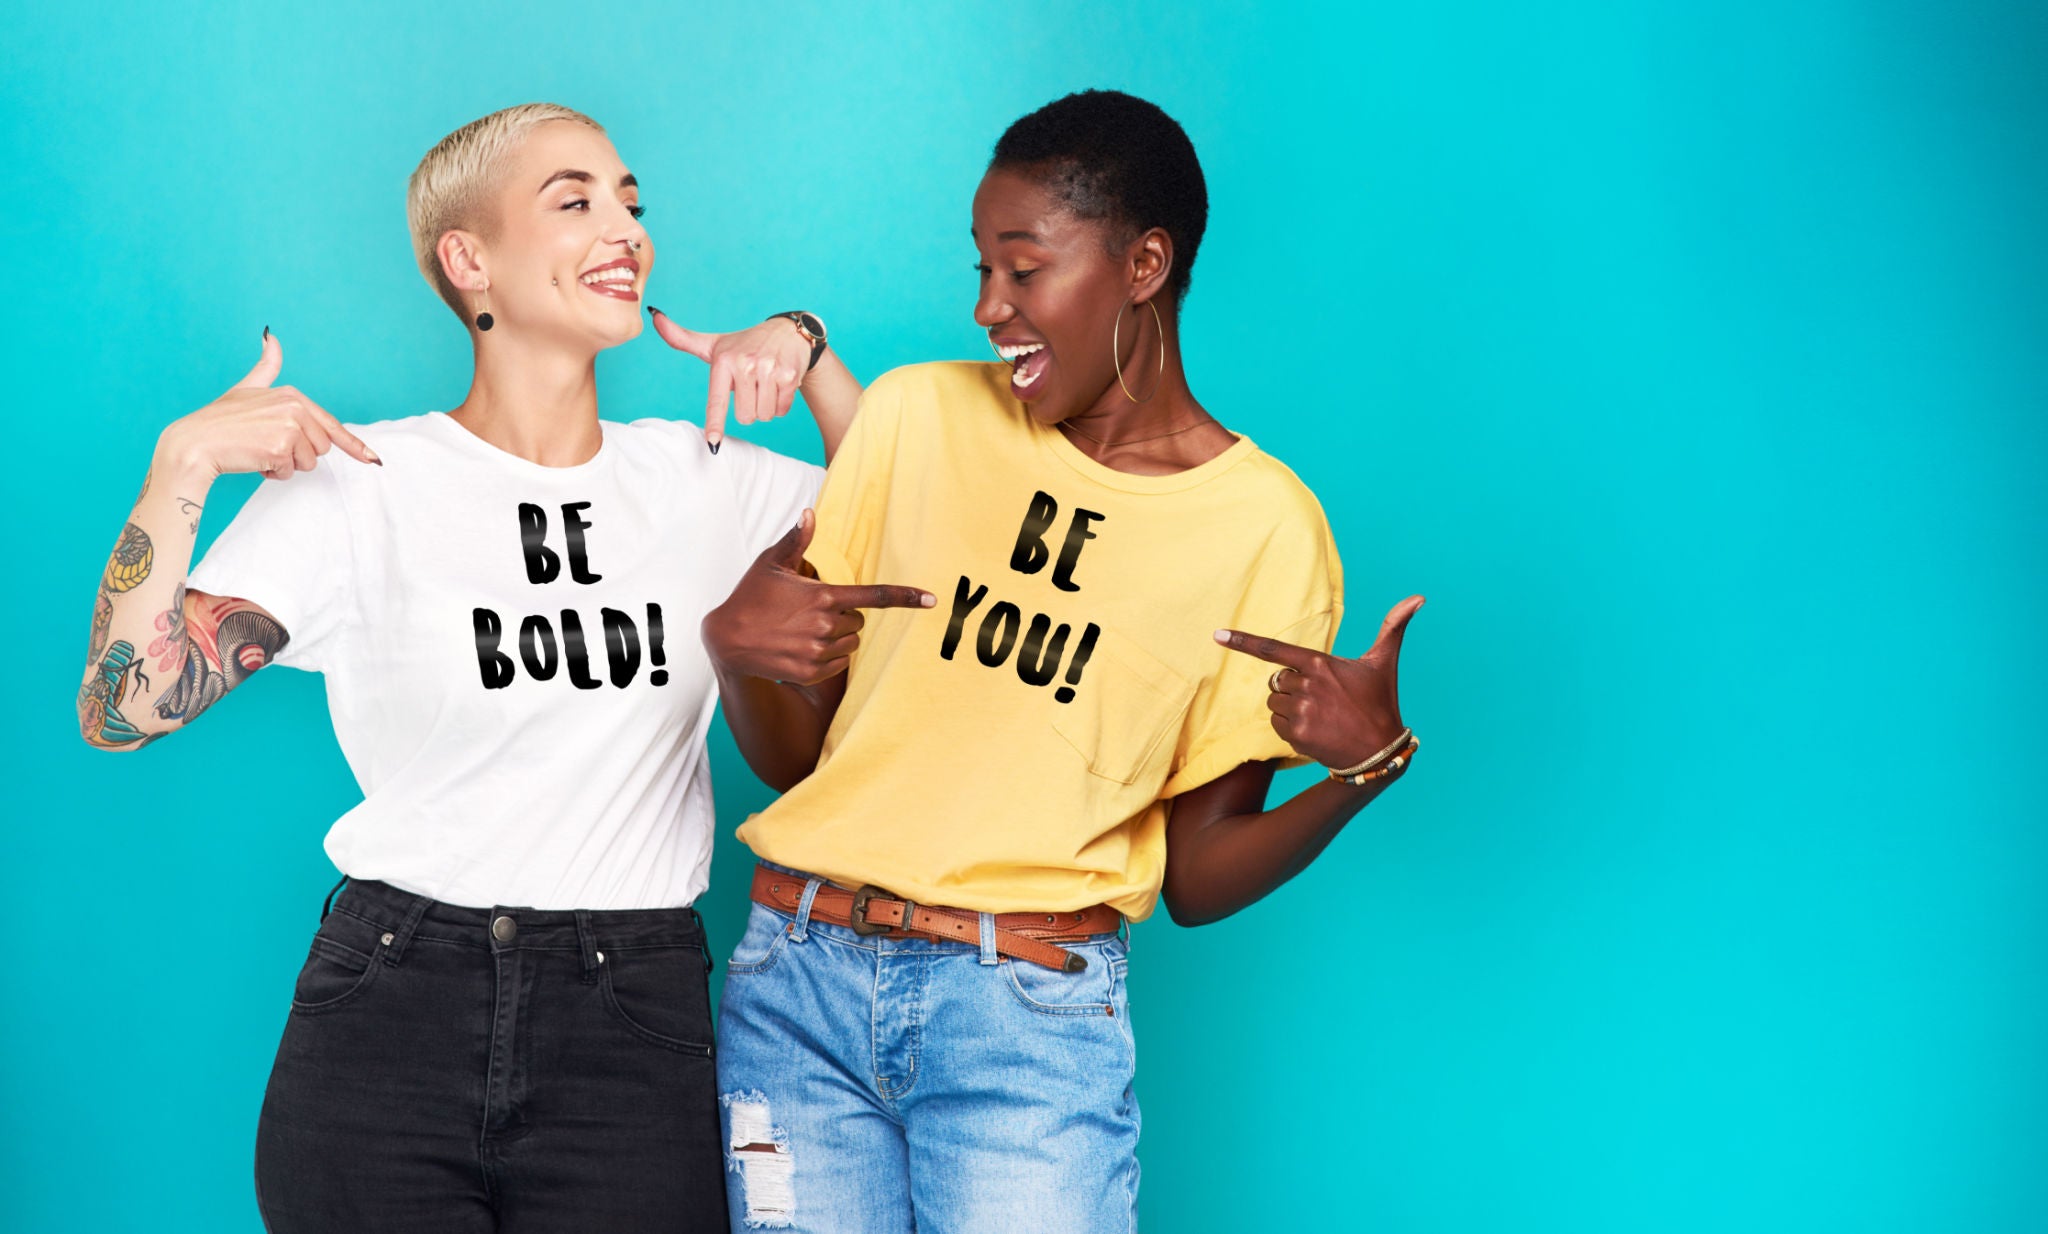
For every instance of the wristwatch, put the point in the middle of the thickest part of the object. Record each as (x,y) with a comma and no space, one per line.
(813,330)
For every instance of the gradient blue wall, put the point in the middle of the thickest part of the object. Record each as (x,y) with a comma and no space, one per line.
(1690,358)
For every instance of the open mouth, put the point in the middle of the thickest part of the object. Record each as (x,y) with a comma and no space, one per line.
(1028,363)
(614,279)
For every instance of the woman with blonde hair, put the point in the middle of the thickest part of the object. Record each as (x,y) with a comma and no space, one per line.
(503,1023)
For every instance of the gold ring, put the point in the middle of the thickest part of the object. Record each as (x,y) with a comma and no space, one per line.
(1273,682)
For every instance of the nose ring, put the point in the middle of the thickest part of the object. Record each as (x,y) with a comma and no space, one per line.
(634,245)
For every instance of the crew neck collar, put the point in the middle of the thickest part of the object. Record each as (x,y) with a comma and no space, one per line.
(472,444)
(1056,443)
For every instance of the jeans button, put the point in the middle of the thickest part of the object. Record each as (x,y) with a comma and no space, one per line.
(504,929)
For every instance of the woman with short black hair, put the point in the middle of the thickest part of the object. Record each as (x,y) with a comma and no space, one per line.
(925,1025)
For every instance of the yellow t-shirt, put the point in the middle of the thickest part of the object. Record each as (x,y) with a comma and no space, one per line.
(1013,748)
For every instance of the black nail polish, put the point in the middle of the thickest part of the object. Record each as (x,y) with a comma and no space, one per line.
(266,332)
(652,310)
(715,445)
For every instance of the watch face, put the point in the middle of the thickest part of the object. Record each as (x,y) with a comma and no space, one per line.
(812,326)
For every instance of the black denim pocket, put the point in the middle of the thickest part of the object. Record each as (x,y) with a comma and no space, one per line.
(659,995)
(341,966)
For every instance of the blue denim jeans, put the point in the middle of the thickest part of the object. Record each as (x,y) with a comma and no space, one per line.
(888,1084)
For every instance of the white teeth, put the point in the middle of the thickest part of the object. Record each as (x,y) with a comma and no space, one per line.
(617,274)
(1016,353)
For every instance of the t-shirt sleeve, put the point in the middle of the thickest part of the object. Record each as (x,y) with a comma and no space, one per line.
(1297,596)
(289,549)
(773,490)
(847,544)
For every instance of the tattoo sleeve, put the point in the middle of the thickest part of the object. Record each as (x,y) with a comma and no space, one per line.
(225,640)
(100,699)
(159,654)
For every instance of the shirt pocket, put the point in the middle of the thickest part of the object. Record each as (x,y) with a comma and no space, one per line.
(1126,712)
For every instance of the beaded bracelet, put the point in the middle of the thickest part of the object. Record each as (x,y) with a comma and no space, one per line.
(1366,772)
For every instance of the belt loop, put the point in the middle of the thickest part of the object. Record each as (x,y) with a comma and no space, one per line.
(703,939)
(586,942)
(327,905)
(395,949)
(803,911)
(988,939)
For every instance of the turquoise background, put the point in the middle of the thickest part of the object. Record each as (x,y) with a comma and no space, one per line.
(1690,358)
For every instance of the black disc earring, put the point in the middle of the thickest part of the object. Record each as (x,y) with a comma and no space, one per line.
(484,320)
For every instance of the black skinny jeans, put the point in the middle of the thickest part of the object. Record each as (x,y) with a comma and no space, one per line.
(461,1070)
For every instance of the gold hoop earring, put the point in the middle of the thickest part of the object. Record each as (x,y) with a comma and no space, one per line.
(1116,351)
(484,320)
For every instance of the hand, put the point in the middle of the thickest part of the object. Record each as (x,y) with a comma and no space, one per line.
(256,426)
(782,624)
(757,369)
(1338,712)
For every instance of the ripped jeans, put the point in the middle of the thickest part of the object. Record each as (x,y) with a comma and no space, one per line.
(882,1085)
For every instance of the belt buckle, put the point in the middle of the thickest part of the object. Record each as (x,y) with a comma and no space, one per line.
(857,915)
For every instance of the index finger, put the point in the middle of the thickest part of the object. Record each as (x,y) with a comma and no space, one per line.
(350,444)
(714,403)
(880,595)
(1271,650)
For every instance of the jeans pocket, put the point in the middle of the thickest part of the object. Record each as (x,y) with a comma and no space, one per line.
(659,995)
(761,945)
(1092,991)
(340,967)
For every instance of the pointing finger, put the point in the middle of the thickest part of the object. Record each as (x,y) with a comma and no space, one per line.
(267,367)
(881,595)
(715,400)
(351,445)
(698,345)
(1271,650)
(339,434)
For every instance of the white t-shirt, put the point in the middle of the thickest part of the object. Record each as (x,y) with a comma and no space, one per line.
(511,650)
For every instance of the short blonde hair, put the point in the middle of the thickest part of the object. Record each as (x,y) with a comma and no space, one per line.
(452,187)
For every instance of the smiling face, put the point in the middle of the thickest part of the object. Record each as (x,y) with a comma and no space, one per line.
(1050,294)
(561,262)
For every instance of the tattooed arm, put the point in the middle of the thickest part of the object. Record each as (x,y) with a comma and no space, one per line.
(161,654)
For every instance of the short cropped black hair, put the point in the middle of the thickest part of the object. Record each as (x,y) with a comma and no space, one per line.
(1110,157)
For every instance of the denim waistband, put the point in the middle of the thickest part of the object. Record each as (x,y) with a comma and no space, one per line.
(417,916)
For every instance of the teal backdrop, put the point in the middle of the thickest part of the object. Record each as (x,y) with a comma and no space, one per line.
(1692,359)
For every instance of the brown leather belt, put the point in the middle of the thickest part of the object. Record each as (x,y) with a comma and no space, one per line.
(870,910)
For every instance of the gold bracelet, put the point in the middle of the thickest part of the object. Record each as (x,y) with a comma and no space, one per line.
(1386,769)
(1376,759)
